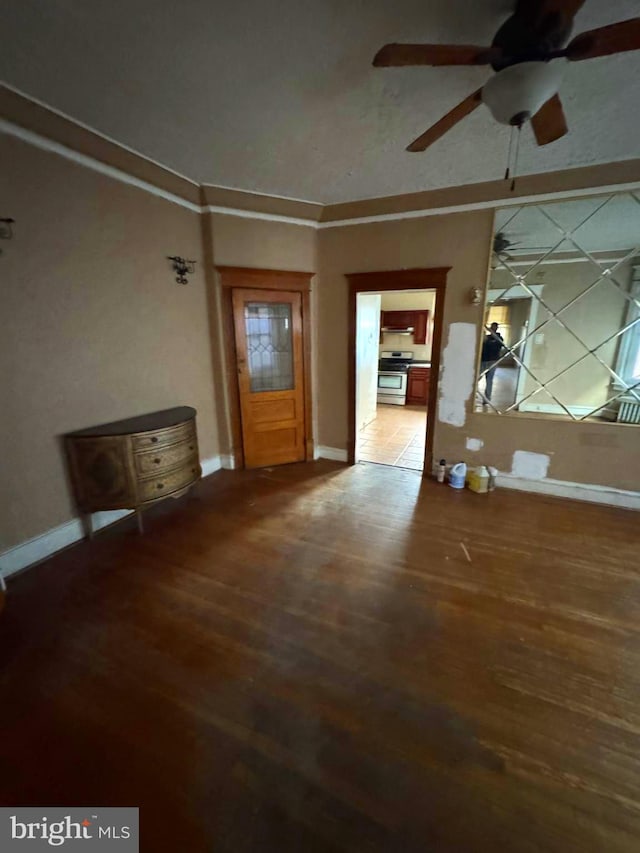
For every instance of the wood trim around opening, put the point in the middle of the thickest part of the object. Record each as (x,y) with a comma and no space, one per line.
(250,278)
(434,278)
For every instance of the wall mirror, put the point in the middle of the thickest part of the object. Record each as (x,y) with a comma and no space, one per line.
(562,313)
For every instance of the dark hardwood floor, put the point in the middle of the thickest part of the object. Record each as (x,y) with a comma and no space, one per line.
(304,659)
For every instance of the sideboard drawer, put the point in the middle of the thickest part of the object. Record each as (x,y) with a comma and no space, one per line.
(164,436)
(167,456)
(164,484)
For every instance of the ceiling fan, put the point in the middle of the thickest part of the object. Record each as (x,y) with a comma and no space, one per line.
(503,245)
(528,54)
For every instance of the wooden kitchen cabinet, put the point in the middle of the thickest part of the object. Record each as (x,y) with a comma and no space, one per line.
(418,320)
(397,319)
(418,386)
(420,326)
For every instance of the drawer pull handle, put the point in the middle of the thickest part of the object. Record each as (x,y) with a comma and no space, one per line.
(160,486)
(193,470)
(191,447)
(157,460)
(154,439)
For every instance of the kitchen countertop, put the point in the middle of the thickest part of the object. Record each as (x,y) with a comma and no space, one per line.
(420,364)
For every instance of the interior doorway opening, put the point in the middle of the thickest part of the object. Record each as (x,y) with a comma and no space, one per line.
(379,282)
(393,349)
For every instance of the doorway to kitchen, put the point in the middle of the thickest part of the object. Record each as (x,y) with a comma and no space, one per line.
(394,359)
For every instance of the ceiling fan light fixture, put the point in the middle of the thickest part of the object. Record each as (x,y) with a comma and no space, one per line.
(516,93)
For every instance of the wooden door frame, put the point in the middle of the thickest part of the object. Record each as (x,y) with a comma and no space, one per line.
(434,278)
(252,278)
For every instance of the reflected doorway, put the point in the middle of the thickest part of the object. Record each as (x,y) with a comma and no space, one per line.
(506,351)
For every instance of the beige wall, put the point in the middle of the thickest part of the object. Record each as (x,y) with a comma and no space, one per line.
(94,326)
(457,240)
(416,301)
(603,454)
(260,243)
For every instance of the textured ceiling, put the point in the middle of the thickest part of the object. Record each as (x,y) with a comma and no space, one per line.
(280,97)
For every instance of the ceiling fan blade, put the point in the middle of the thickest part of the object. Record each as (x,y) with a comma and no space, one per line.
(447,122)
(616,38)
(434,54)
(549,123)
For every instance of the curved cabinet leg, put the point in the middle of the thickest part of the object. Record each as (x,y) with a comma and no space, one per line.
(139,520)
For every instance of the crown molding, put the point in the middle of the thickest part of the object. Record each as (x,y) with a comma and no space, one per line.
(545,186)
(45,144)
(222,199)
(30,99)
(39,125)
(33,117)
(255,214)
(217,187)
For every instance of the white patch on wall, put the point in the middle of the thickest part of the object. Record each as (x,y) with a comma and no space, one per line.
(456,383)
(475,444)
(530,466)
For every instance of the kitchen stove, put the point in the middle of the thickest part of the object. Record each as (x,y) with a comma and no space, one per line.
(393,367)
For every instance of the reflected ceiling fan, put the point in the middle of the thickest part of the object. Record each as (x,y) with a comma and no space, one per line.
(503,245)
(528,54)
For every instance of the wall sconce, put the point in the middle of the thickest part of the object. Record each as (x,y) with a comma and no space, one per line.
(6,231)
(475,296)
(182,266)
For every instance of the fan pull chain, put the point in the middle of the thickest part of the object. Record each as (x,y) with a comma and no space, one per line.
(515,159)
(514,152)
(507,173)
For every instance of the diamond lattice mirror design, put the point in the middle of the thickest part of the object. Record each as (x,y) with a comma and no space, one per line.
(562,317)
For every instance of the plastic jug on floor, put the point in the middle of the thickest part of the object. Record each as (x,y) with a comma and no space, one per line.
(478,480)
(457,475)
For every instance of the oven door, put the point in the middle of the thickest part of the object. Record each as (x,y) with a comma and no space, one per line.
(392,387)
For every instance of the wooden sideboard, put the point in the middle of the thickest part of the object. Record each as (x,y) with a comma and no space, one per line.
(134,463)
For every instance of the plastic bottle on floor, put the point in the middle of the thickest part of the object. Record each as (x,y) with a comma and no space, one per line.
(478,480)
(457,475)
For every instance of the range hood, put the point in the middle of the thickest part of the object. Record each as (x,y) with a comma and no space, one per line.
(396,330)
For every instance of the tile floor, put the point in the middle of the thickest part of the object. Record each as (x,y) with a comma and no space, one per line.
(395,437)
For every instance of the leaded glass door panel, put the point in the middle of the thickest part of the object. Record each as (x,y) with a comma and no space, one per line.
(268,329)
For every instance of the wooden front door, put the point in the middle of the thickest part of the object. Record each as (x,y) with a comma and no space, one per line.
(269,350)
